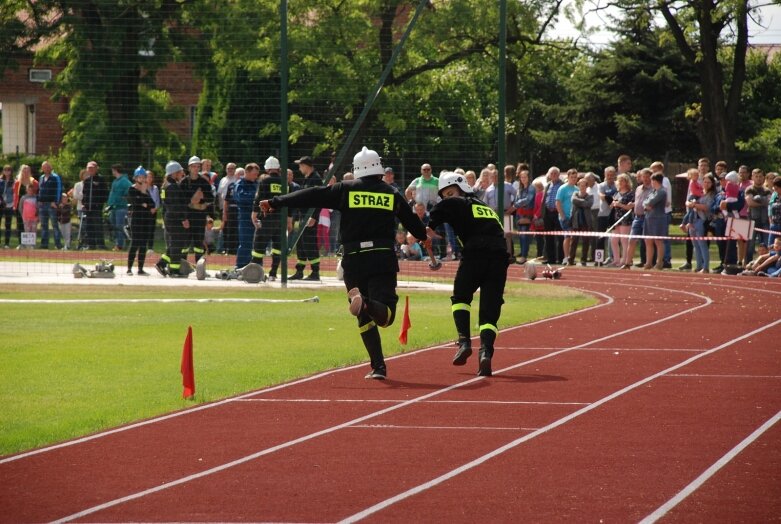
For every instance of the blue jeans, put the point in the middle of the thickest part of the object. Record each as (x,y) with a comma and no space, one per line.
(525,240)
(700,246)
(118,217)
(46,212)
(776,233)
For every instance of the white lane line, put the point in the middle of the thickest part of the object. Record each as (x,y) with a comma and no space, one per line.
(511,445)
(155,300)
(662,510)
(682,350)
(702,375)
(253,456)
(608,301)
(392,401)
(393,426)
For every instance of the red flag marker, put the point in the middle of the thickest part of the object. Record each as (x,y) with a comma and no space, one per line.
(188,373)
(405,323)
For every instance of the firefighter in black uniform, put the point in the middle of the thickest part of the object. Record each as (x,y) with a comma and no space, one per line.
(483,265)
(175,203)
(306,249)
(369,208)
(200,196)
(267,228)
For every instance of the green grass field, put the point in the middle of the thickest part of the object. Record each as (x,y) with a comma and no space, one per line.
(73,369)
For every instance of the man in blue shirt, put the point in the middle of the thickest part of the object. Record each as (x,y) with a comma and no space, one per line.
(49,194)
(564,208)
(117,203)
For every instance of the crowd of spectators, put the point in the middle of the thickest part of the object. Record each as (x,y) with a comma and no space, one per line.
(619,218)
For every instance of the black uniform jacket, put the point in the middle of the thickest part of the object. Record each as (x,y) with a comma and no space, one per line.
(477,226)
(190,186)
(369,208)
(175,202)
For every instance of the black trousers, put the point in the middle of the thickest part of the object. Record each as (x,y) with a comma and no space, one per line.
(554,247)
(489,274)
(306,249)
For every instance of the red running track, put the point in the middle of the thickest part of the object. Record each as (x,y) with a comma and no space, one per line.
(660,403)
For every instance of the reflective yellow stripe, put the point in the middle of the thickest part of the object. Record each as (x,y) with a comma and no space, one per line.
(276,252)
(489,327)
(366,327)
(198,250)
(366,199)
(174,266)
(460,307)
(314,260)
(166,258)
(258,255)
(479,211)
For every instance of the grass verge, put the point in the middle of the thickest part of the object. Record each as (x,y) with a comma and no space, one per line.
(73,369)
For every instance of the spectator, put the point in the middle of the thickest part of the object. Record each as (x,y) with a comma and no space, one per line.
(768,263)
(774,213)
(7,201)
(655,222)
(423,188)
(117,205)
(702,208)
(622,204)
(29,206)
(23,179)
(592,182)
(524,205)
(420,211)
(76,194)
(471,178)
(227,207)
(390,178)
(581,220)
(605,191)
(757,201)
(703,168)
(154,192)
(538,224)
(491,197)
(693,195)
(401,241)
(564,210)
(482,183)
(49,194)
(554,251)
(210,237)
(411,250)
(641,193)
(142,215)
(658,167)
(64,214)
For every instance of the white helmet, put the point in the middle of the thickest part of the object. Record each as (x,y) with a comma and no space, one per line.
(367,163)
(450,178)
(172,167)
(193,160)
(271,163)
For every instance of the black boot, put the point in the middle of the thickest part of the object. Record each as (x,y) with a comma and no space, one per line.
(315,274)
(373,344)
(299,274)
(484,369)
(463,353)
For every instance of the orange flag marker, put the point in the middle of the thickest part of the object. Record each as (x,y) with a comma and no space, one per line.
(188,373)
(405,323)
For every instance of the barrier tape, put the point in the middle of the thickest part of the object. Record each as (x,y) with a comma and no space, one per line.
(619,235)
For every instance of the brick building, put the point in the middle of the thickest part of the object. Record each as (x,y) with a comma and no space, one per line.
(30,116)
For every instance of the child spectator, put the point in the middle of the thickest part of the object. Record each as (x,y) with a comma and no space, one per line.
(731,192)
(210,237)
(412,250)
(693,195)
(64,213)
(29,206)
(401,241)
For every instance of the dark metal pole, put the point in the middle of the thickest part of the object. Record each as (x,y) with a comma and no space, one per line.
(501,131)
(283,133)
